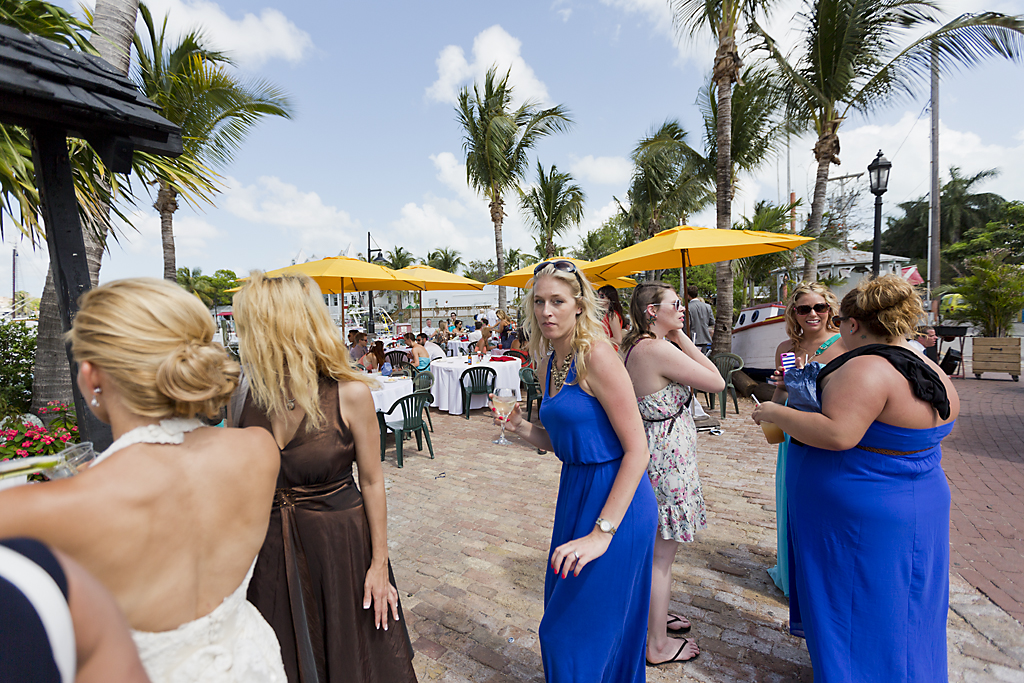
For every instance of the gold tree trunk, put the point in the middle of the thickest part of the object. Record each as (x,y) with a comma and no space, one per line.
(498,217)
(826,151)
(167,204)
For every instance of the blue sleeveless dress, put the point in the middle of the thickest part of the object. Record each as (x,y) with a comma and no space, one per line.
(869,584)
(594,628)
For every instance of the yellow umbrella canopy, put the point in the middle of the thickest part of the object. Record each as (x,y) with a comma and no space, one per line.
(340,274)
(433,278)
(521,277)
(691,246)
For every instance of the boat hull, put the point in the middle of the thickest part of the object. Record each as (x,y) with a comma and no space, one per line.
(756,344)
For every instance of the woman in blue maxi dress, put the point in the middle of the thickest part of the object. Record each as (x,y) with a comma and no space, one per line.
(598,580)
(868,501)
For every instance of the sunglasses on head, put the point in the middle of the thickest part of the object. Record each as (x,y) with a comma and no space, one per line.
(564,266)
(817,308)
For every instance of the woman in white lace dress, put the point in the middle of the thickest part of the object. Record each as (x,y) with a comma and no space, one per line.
(170,518)
(665,367)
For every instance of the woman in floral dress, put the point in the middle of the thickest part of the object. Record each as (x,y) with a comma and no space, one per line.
(665,367)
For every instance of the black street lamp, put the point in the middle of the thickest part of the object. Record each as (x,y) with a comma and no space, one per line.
(878,174)
(371,327)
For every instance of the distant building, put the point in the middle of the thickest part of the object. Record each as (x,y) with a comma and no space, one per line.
(848,267)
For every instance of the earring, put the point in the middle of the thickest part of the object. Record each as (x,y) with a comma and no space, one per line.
(94,402)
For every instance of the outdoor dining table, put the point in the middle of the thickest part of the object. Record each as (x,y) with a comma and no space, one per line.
(458,347)
(448,392)
(391,389)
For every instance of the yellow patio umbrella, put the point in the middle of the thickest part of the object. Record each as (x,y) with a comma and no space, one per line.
(520,278)
(436,279)
(686,246)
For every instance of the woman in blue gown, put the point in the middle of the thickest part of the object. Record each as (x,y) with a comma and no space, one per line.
(597,590)
(868,500)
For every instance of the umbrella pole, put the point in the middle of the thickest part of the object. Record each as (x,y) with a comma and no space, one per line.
(682,271)
(344,338)
(421,309)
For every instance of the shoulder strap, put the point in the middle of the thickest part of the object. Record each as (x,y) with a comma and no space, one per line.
(924,381)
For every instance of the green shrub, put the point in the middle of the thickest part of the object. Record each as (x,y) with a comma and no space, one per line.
(17,351)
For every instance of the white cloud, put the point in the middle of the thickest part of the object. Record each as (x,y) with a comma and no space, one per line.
(491,47)
(251,40)
(603,170)
(304,215)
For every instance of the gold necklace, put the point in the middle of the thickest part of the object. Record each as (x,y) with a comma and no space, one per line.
(558,377)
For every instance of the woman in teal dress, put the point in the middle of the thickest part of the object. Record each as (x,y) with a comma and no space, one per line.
(597,587)
(869,502)
(812,338)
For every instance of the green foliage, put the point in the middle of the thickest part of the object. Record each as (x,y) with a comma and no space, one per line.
(1006,232)
(481,271)
(552,206)
(211,289)
(608,238)
(17,351)
(221,281)
(23,439)
(447,259)
(993,293)
(399,258)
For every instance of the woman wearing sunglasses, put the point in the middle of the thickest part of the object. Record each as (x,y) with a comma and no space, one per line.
(597,594)
(870,526)
(812,338)
(665,367)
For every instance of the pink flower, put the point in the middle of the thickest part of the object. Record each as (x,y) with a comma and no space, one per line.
(65,438)
(47,440)
(21,452)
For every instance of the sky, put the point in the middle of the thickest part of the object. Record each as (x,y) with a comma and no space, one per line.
(374,145)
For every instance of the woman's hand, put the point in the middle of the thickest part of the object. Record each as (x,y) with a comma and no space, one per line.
(380,594)
(763,412)
(579,552)
(514,419)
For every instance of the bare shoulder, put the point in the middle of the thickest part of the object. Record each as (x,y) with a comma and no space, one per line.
(354,392)
(785,347)
(602,353)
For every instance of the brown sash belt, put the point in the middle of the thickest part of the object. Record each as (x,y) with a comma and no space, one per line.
(305,617)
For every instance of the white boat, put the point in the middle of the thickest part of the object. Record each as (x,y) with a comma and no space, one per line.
(758,332)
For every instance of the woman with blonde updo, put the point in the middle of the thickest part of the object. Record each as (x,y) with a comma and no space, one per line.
(812,339)
(869,503)
(171,516)
(597,594)
(323,579)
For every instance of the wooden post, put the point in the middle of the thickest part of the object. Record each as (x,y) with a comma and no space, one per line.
(67,255)
(686,319)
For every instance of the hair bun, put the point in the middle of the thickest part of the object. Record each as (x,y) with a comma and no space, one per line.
(197,377)
(889,303)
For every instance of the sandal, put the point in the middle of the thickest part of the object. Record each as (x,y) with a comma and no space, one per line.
(678,630)
(675,658)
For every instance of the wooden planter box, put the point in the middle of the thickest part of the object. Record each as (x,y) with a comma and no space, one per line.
(996,354)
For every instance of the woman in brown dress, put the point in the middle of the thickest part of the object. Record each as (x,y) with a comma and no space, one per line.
(322,578)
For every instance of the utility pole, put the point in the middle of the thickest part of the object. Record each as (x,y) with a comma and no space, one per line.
(934,213)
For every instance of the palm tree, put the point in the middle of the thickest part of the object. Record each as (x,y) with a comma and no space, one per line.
(961,208)
(852,61)
(215,110)
(514,259)
(399,258)
(194,282)
(447,259)
(496,140)
(552,206)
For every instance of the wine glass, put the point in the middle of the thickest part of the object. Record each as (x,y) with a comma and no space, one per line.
(503,400)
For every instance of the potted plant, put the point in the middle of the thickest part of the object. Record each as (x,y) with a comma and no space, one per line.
(993,295)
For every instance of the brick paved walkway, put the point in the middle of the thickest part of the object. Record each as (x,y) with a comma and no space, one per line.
(984,462)
(469,532)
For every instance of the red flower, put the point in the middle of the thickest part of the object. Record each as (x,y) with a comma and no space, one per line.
(65,438)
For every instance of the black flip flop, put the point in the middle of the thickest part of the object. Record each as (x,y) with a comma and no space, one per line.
(676,631)
(675,659)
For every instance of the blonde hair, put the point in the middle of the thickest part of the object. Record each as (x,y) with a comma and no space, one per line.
(793,329)
(500,314)
(645,294)
(155,341)
(287,340)
(887,305)
(588,329)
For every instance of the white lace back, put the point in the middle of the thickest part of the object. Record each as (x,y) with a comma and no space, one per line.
(171,431)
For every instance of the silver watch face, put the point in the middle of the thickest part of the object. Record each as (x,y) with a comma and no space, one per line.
(605,525)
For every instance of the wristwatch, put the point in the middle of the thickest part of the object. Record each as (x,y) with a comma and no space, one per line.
(605,526)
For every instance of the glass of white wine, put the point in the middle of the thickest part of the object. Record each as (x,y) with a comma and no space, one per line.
(504,401)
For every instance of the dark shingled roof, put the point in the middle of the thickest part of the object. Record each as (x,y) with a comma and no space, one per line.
(45,84)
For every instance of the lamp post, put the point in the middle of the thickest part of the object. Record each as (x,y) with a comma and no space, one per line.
(878,173)
(371,327)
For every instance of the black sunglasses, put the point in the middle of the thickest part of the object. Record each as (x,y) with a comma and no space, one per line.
(837,320)
(806,310)
(564,266)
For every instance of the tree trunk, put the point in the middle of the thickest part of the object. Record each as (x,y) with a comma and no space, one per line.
(167,204)
(722,339)
(51,373)
(826,151)
(114,24)
(498,217)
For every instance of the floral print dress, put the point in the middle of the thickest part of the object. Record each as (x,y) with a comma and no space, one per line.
(672,441)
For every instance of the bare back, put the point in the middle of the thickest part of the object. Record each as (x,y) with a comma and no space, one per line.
(170,530)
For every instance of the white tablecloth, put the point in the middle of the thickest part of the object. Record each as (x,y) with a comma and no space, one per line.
(448,392)
(456,346)
(391,390)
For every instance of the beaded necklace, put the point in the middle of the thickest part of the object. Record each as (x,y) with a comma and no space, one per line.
(558,376)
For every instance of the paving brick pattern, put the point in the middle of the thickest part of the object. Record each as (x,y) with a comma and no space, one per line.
(984,462)
(469,532)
